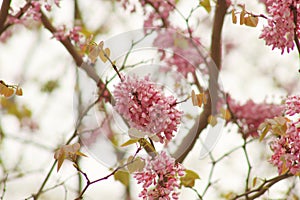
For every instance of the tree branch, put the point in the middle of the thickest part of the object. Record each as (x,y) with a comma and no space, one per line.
(4,13)
(189,141)
(17,16)
(263,187)
(91,72)
(216,45)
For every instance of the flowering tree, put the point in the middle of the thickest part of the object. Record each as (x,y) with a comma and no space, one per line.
(144,101)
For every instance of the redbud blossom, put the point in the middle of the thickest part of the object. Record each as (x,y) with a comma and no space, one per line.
(292,105)
(160,178)
(250,115)
(286,150)
(146,107)
(280,31)
(184,58)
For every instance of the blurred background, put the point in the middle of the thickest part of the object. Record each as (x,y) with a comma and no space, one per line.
(34,125)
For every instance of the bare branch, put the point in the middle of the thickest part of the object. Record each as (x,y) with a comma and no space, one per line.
(4,13)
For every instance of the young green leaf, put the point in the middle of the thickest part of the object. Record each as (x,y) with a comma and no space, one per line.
(129,142)
(265,130)
(122,176)
(135,165)
(188,180)
(69,152)
(212,120)
(251,21)
(233,17)
(206,5)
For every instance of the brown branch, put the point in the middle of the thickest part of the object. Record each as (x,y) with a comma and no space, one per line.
(70,48)
(91,72)
(17,16)
(89,182)
(4,13)
(294,10)
(263,187)
(66,42)
(189,141)
(216,48)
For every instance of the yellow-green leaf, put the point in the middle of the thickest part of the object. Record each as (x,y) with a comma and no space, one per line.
(212,120)
(206,5)
(60,157)
(19,91)
(80,154)
(251,21)
(254,181)
(188,180)
(69,152)
(225,114)
(104,54)
(135,165)
(129,142)
(284,168)
(265,129)
(233,17)
(147,146)
(122,176)
(242,17)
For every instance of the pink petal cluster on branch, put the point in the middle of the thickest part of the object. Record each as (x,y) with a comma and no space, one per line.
(155,17)
(34,11)
(250,115)
(146,107)
(292,105)
(73,34)
(280,31)
(286,148)
(160,178)
(184,56)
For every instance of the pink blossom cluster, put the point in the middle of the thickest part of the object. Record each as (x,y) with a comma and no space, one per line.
(160,178)
(184,56)
(146,108)
(156,12)
(286,150)
(73,34)
(33,12)
(250,115)
(280,31)
(292,105)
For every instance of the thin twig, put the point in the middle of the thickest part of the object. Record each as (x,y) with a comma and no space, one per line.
(249,166)
(263,187)
(4,187)
(89,182)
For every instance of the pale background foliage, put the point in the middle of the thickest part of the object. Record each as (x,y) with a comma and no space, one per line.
(30,58)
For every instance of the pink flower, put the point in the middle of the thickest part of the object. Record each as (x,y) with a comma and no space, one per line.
(34,11)
(156,12)
(73,34)
(250,115)
(279,33)
(184,56)
(146,108)
(160,178)
(292,105)
(286,150)
(60,33)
